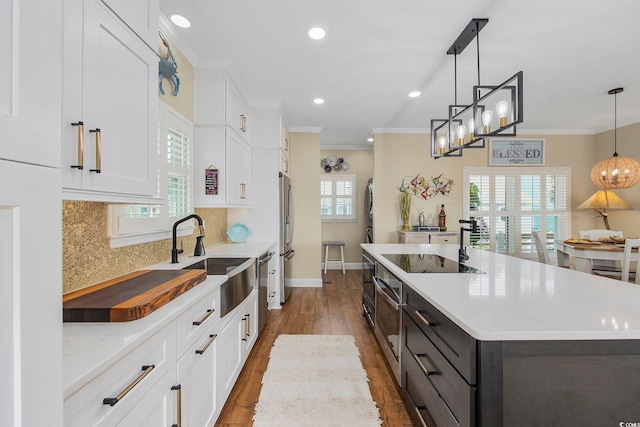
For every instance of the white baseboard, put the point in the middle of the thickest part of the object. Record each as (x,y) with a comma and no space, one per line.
(305,283)
(336,265)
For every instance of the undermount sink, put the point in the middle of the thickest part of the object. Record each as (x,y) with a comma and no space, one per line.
(219,266)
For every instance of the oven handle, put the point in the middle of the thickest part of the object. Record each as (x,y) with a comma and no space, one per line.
(390,300)
(368,260)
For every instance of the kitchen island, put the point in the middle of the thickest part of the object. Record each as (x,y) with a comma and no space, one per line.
(518,344)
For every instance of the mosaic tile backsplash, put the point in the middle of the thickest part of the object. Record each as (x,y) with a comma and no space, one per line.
(88,259)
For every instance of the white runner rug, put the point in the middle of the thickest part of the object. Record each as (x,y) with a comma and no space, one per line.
(315,380)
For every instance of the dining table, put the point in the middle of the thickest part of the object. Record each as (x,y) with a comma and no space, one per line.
(584,254)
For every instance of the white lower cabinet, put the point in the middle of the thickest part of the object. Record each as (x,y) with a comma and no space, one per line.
(197,380)
(235,342)
(181,375)
(108,397)
(159,407)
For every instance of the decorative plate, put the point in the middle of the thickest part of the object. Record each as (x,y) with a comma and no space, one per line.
(332,161)
(238,233)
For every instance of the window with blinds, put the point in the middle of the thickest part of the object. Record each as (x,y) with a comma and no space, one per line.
(337,198)
(508,203)
(152,222)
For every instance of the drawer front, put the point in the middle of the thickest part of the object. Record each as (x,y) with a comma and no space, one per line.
(86,406)
(447,397)
(196,320)
(455,344)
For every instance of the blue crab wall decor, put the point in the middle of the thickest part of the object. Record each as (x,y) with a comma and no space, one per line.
(168,68)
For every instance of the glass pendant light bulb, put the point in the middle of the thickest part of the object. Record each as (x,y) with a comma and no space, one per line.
(442,142)
(461,131)
(487,116)
(472,129)
(502,108)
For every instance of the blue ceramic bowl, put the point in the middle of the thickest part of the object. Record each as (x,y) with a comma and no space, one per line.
(238,233)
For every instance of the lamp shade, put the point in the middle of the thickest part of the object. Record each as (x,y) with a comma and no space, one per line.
(616,172)
(603,199)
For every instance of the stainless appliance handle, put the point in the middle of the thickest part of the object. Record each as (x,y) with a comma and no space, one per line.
(265,258)
(368,260)
(289,217)
(390,300)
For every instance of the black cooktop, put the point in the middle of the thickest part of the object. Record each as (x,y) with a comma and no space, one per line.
(428,263)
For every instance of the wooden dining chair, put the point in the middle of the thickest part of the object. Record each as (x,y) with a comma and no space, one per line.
(541,248)
(625,273)
(595,235)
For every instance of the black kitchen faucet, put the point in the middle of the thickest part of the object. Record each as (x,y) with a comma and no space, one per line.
(462,252)
(199,249)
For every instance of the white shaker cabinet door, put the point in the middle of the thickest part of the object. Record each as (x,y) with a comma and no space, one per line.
(30,75)
(31,303)
(110,85)
(159,407)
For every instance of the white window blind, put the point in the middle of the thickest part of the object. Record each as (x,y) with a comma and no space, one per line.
(337,198)
(509,203)
(133,224)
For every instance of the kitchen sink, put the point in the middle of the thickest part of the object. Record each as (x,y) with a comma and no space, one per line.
(218,266)
(241,273)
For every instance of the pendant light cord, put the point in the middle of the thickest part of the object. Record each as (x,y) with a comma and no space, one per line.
(615,124)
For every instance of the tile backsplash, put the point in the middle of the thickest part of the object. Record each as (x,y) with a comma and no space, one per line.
(87,257)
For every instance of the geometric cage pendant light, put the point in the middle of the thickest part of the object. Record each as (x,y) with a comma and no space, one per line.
(616,171)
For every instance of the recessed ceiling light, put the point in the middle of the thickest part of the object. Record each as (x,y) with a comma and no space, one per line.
(318,101)
(414,94)
(180,21)
(370,139)
(316,33)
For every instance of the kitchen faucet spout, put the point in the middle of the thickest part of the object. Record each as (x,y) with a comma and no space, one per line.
(199,250)
(462,252)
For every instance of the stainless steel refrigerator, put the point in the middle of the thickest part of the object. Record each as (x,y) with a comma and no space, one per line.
(368,204)
(286,234)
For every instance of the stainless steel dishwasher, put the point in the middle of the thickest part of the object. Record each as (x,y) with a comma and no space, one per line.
(263,284)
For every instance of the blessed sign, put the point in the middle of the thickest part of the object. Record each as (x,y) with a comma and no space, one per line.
(516,152)
(211,180)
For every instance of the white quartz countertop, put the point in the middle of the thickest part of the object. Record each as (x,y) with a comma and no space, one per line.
(517,299)
(91,347)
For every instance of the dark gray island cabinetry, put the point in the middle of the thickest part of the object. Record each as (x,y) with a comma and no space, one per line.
(512,342)
(450,379)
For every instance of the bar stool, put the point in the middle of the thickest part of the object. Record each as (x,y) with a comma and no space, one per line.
(326,254)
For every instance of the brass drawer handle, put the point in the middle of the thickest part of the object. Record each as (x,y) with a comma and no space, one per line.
(424,368)
(111,401)
(417,409)
(206,346)
(80,164)
(98,150)
(204,318)
(178,388)
(243,123)
(424,319)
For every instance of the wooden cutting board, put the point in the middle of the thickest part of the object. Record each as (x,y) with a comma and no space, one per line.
(129,297)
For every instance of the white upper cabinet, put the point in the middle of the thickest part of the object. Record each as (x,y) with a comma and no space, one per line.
(110,112)
(223,148)
(140,15)
(30,72)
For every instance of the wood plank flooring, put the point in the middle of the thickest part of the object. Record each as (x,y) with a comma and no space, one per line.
(333,309)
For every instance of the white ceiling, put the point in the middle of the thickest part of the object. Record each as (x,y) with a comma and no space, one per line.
(376,52)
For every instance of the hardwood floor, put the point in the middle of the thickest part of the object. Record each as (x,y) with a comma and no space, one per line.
(334,309)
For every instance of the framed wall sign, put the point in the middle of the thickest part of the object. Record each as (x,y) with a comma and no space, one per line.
(516,152)
(211,180)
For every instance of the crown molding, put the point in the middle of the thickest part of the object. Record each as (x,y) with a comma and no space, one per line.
(400,130)
(306,129)
(353,147)
(170,33)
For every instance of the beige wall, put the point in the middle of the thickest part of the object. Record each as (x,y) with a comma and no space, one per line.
(183,102)
(352,233)
(629,146)
(87,255)
(402,155)
(304,158)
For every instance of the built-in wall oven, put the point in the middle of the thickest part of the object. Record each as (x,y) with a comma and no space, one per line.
(368,288)
(388,312)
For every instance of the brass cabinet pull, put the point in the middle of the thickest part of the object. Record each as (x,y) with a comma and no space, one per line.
(206,346)
(98,150)
(248,325)
(424,319)
(80,164)
(243,123)
(417,409)
(243,190)
(111,401)
(204,318)
(178,388)
(424,368)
